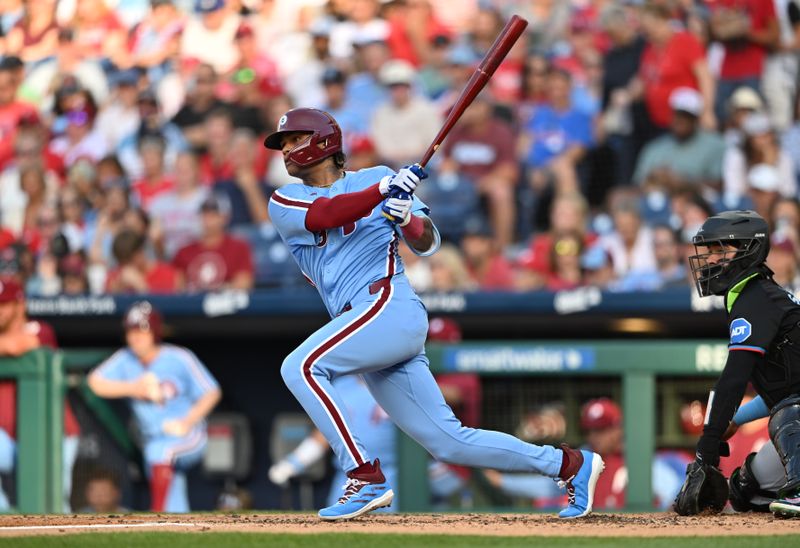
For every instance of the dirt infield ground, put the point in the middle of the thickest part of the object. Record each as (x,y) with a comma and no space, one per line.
(597,525)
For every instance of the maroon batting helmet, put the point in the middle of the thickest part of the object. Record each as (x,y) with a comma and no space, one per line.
(325,136)
(142,315)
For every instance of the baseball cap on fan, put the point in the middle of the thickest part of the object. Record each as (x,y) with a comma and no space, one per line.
(396,73)
(217,203)
(333,75)
(208,6)
(10,290)
(686,100)
(747,99)
(599,414)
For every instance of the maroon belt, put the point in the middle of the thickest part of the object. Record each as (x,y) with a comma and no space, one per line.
(374,287)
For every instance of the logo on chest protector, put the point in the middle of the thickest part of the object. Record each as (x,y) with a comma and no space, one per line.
(740,330)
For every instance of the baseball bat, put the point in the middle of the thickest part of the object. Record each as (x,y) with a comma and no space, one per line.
(494,56)
(502,45)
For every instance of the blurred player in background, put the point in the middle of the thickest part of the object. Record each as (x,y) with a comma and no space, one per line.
(374,427)
(19,335)
(379,433)
(601,422)
(171,394)
(103,494)
(343,229)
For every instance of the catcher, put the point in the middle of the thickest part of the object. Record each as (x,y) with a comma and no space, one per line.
(764,349)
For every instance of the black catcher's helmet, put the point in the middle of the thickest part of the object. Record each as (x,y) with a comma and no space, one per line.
(746,231)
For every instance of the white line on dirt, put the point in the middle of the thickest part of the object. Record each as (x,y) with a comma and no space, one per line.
(98,526)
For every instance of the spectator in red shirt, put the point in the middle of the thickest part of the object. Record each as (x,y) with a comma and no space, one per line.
(35,36)
(565,260)
(19,335)
(136,272)
(671,59)
(154,182)
(6,238)
(486,266)
(217,260)
(748,30)
(568,214)
(12,112)
(98,31)
(412,27)
(482,147)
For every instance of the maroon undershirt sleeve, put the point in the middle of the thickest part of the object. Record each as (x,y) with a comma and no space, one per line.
(415,228)
(327,213)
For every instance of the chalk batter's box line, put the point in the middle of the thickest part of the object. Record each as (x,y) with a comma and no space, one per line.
(97,526)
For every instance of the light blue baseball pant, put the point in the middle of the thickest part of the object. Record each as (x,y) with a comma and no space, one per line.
(182,453)
(382,337)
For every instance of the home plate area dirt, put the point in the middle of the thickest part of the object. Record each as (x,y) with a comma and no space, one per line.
(603,525)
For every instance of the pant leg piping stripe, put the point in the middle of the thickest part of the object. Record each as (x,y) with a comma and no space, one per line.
(328,345)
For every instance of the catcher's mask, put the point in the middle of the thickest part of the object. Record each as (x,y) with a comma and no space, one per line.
(727,246)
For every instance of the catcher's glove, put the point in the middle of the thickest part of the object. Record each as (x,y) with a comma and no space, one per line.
(705,488)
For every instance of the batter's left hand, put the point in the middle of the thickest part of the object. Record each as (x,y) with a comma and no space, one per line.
(405,180)
(175,427)
(397,208)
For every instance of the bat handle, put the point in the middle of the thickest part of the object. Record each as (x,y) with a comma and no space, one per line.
(428,155)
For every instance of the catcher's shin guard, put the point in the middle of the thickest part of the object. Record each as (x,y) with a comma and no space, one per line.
(746,494)
(784,431)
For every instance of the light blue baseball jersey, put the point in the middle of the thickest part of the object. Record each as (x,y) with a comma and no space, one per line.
(342,261)
(183,378)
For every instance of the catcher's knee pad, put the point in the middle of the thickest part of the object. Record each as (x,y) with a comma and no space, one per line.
(784,431)
(744,488)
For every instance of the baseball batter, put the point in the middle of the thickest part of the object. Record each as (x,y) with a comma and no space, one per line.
(171,393)
(338,228)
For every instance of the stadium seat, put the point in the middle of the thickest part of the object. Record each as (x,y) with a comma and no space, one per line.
(452,199)
(272,260)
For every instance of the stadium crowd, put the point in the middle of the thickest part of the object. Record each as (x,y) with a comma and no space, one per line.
(131,157)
